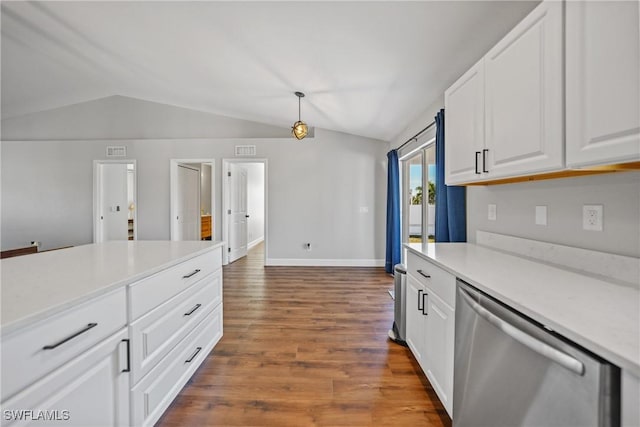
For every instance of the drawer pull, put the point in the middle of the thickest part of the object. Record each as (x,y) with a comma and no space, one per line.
(70,337)
(196,271)
(423,274)
(193,310)
(193,356)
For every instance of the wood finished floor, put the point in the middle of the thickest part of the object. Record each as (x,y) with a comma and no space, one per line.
(306,347)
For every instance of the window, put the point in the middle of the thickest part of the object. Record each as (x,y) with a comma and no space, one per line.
(419,194)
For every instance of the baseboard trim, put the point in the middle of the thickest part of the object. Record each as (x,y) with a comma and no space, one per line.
(255,243)
(297,262)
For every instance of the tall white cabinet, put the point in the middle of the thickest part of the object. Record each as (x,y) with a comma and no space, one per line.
(464,126)
(603,82)
(504,115)
(524,97)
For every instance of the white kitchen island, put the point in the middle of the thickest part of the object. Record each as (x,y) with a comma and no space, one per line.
(106,334)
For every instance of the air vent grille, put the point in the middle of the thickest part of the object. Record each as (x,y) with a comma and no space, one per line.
(116,151)
(245,150)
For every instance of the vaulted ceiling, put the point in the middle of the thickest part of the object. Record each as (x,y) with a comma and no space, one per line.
(367,68)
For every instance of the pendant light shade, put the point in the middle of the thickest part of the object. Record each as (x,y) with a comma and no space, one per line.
(299,129)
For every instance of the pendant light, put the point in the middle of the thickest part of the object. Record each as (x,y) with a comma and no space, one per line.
(299,129)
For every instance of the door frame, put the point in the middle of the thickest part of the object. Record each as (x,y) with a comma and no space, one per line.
(225,204)
(173,192)
(97,187)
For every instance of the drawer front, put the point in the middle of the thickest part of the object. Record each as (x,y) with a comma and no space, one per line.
(149,293)
(153,394)
(31,353)
(157,332)
(439,281)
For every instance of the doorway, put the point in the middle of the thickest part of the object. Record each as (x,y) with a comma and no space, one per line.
(114,200)
(192,199)
(244,206)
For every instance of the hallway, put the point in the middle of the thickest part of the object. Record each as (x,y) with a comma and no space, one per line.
(306,346)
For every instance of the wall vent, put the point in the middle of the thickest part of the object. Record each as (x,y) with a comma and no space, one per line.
(116,151)
(245,150)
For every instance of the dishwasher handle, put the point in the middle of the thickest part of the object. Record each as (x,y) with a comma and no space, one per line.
(544,349)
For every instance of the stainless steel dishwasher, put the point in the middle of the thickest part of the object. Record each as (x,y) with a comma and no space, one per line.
(510,371)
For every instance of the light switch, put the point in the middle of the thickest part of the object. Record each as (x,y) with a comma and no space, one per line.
(492,213)
(541,215)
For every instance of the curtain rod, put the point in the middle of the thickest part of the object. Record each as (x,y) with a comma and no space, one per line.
(432,124)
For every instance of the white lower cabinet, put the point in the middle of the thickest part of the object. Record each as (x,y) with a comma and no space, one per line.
(430,321)
(155,392)
(117,359)
(439,347)
(416,321)
(92,389)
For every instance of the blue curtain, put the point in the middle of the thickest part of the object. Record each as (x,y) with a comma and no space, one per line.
(451,218)
(393,212)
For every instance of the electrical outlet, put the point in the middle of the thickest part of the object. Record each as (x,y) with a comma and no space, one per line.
(592,217)
(492,212)
(541,215)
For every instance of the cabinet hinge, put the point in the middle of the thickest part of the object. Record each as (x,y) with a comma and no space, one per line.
(229,211)
(228,173)
(228,249)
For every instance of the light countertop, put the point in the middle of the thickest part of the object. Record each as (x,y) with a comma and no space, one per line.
(601,316)
(39,285)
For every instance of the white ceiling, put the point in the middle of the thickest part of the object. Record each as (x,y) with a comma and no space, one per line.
(368,68)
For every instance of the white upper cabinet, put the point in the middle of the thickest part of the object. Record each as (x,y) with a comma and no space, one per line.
(524,97)
(603,82)
(504,117)
(464,125)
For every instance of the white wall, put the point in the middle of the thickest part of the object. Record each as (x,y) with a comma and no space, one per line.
(255,201)
(316,188)
(121,117)
(564,198)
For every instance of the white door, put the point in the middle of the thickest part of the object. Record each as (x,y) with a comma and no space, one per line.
(464,126)
(440,334)
(237,214)
(416,328)
(524,96)
(113,206)
(603,83)
(188,199)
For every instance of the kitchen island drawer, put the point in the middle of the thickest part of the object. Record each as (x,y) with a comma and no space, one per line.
(433,277)
(157,332)
(153,394)
(48,344)
(150,292)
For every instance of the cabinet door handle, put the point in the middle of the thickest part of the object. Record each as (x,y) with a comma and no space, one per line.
(477,170)
(128,355)
(190,312)
(193,356)
(70,337)
(196,271)
(484,160)
(423,274)
(420,299)
(424,304)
